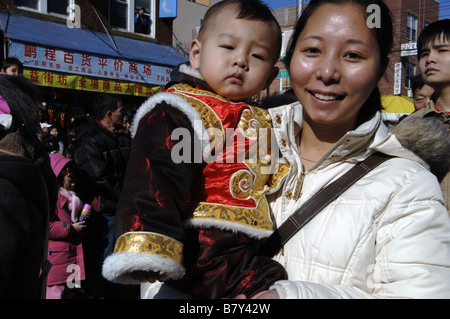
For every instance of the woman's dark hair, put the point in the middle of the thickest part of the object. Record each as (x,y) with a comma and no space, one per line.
(21,96)
(383,34)
(437,29)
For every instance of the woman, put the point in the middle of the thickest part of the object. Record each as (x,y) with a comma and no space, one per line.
(389,234)
(28,191)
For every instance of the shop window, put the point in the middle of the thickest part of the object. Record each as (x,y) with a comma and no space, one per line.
(118,11)
(136,16)
(46,6)
(411,28)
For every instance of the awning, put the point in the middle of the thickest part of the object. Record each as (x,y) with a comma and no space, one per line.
(395,107)
(60,36)
(397,104)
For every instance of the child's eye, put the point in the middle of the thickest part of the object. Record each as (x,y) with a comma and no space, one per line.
(258,56)
(226,46)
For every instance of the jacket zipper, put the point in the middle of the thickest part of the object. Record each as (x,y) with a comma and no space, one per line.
(299,186)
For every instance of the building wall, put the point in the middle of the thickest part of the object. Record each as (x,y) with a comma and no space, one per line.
(425,11)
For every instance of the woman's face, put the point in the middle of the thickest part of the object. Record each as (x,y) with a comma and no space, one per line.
(335,65)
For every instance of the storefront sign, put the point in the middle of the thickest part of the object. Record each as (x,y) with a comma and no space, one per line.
(168,9)
(33,56)
(80,82)
(398,78)
(408,49)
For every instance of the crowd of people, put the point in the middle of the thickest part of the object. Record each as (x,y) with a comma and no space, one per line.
(125,216)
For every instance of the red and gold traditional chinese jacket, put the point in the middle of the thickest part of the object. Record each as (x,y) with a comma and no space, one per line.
(193,205)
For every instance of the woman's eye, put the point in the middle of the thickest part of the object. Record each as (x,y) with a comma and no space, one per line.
(312,51)
(353,56)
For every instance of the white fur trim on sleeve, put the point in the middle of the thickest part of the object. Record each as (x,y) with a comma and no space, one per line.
(119,266)
(178,103)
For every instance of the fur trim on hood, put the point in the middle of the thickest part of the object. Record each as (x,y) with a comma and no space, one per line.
(428,138)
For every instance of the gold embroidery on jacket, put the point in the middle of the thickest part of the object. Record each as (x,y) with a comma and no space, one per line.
(263,172)
(150,243)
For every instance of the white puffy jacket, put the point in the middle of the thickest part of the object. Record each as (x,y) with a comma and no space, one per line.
(386,236)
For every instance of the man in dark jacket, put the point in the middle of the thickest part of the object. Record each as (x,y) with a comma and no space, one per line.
(102,161)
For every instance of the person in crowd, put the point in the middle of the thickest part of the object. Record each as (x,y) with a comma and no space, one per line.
(421,93)
(434,68)
(141,22)
(102,163)
(65,247)
(223,197)
(388,235)
(12,66)
(29,192)
(56,138)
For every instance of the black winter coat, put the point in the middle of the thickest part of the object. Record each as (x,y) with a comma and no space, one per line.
(102,160)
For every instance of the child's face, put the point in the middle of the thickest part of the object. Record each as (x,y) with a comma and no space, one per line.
(236,57)
(434,63)
(70,182)
(12,70)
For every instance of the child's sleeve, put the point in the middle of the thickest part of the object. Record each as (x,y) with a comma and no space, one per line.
(154,203)
(229,266)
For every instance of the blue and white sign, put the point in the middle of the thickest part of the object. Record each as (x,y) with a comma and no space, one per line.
(168,9)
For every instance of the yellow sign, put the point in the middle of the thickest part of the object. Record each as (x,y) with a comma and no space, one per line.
(84,83)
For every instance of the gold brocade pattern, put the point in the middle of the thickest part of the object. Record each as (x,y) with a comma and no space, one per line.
(261,173)
(212,122)
(246,216)
(150,243)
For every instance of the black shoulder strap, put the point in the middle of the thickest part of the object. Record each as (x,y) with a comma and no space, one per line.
(315,204)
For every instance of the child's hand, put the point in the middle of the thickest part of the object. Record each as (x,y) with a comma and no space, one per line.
(78,227)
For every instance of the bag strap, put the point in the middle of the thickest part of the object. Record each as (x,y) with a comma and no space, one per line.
(315,204)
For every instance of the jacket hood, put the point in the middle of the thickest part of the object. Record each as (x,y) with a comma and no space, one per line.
(429,139)
(58,162)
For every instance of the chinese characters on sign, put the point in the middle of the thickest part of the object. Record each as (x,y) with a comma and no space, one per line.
(398,78)
(80,82)
(33,56)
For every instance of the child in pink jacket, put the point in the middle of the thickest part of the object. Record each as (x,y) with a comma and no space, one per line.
(64,246)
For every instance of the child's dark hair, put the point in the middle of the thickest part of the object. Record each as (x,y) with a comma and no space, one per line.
(10,62)
(246,9)
(70,169)
(438,29)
